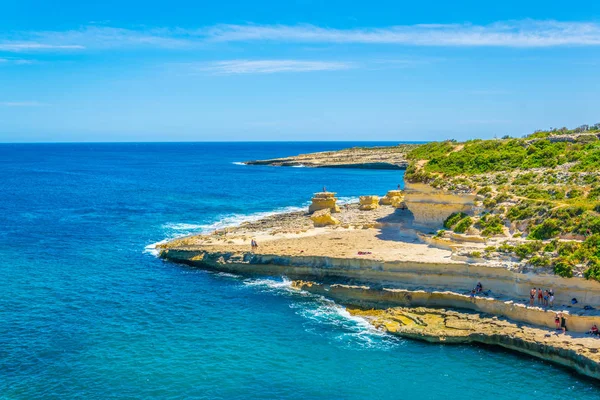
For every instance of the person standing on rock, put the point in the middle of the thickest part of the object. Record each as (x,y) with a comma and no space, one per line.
(557,321)
(532,293)
(540,296)
(563,323)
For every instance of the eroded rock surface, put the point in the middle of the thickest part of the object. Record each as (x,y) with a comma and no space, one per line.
(448,326)
(323,218)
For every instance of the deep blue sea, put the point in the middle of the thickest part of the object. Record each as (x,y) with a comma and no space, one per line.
(87,311)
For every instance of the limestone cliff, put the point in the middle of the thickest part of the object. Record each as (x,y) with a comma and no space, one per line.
(430,206)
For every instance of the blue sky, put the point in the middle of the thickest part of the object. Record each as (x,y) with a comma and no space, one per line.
(302,70)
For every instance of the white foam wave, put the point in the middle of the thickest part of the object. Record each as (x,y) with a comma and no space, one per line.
(299,166)
(151,248)
(227,275)
(183,227)
(285,284)
(347,199)
(238,163)
(174,230)
(350,330)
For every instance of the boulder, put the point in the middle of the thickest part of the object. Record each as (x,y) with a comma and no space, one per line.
(324,201)
(390,197)
(394,198)
(368,202)
(323,218)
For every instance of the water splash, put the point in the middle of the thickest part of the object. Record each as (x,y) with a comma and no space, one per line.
(321,312)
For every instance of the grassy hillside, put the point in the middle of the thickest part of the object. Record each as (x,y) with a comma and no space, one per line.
(544,188)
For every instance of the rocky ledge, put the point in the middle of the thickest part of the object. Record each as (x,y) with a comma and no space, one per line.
(388,157)
(441,325)
(449,326)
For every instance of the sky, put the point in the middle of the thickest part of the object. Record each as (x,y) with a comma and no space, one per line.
(193,70)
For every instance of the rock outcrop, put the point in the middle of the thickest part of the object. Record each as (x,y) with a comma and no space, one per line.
(394,198)
(324,201)
(449,326)
(368,203)
(323,218)
(430,206)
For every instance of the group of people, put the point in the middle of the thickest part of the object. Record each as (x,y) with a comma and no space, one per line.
(594,331)
(561,322)
(477,289)
(253,244)
(544,297)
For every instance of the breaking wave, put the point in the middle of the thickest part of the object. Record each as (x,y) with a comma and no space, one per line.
(321,314)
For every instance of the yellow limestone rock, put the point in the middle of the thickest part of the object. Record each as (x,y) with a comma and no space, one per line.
(368,202)
(431,206)
(394,198)
(324,201)
(323,218)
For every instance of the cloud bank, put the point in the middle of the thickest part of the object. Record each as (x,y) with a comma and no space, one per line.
(234,67)
(524,34)
(528,33)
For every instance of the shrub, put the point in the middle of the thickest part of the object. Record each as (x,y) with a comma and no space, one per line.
(551,247)
(485,190)
(491,225)
(546,230)
(574,194)
(564,268)
(567,248)
(526,249)
(539,261)
(593,271)
(594,193)
(502,197)
(489,202)
(526,210)
(463,225)
(525,179)
(506,248)
(453,219)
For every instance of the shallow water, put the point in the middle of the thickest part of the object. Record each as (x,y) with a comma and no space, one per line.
(87,311)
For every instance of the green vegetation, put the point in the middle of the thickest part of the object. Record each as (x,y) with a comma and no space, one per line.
(543,187)
(491,225)
(546,230)
(463,225)
(458,222)
(485,156)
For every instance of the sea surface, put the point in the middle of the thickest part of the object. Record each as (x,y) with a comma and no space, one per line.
(88,311)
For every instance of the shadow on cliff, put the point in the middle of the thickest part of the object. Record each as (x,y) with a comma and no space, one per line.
(398,227)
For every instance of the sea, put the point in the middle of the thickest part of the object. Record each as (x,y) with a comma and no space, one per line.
(88,311)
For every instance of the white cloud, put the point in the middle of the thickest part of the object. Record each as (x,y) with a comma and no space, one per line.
(14,61)
(33,46)
(524,33)
(231,67)
(21,104)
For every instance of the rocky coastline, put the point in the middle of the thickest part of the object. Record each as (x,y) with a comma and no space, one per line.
(383,157)
(384,261)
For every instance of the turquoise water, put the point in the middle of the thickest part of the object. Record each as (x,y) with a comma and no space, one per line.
(87,311)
